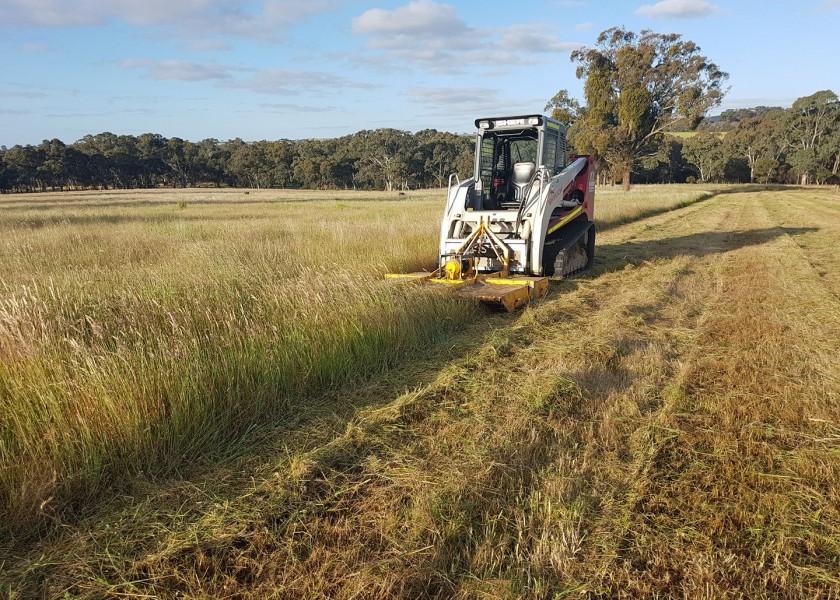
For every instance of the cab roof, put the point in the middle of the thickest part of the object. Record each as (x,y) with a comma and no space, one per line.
(520,121)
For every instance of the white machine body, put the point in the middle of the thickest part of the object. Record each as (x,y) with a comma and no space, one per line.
(523,190)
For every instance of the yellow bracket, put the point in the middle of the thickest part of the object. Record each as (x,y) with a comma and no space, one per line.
(496,244)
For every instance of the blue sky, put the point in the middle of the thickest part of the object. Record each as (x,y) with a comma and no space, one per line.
(273,69)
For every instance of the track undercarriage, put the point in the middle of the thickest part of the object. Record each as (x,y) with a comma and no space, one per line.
(571,251)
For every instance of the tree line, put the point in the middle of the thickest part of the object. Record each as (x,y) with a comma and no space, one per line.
(800,144)
(387,159)
(758,145)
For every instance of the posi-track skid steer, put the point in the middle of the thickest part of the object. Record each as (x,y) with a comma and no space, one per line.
(527,214)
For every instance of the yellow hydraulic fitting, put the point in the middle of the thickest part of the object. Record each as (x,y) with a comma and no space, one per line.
(453,269)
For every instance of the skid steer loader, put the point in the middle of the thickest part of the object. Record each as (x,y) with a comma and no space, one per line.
(525,215)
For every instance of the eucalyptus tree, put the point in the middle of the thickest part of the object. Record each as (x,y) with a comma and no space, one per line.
(563,108)
(706,152)
(811,123)
(759,136)
(383,155)
(638,86)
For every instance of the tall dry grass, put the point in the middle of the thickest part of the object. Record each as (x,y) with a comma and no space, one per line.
(140,337)
(614,206)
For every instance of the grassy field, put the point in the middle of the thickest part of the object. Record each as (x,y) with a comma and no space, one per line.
(213,394)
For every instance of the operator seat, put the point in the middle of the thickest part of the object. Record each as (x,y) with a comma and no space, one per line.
(523,172)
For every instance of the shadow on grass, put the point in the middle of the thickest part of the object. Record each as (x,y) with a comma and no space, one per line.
(612,257)
(701,197)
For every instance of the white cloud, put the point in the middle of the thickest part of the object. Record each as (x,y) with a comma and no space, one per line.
(208,46)
(136,111)
(34,48)
(430,34)
(422,32)
(282,82)
(678,9)
(144,100)
(180,70)
(285,108)
(423,29)
(24,94)
(457,101)
(469,102)
(287,82)
(532,39)
(195,18)
(583,26)
(450,96)
(420,17)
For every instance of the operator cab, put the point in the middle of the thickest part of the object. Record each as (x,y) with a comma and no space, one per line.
(510,153)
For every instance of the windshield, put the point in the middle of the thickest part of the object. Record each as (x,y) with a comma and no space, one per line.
(499,153)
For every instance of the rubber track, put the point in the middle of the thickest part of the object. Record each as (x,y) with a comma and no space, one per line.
(561,243)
